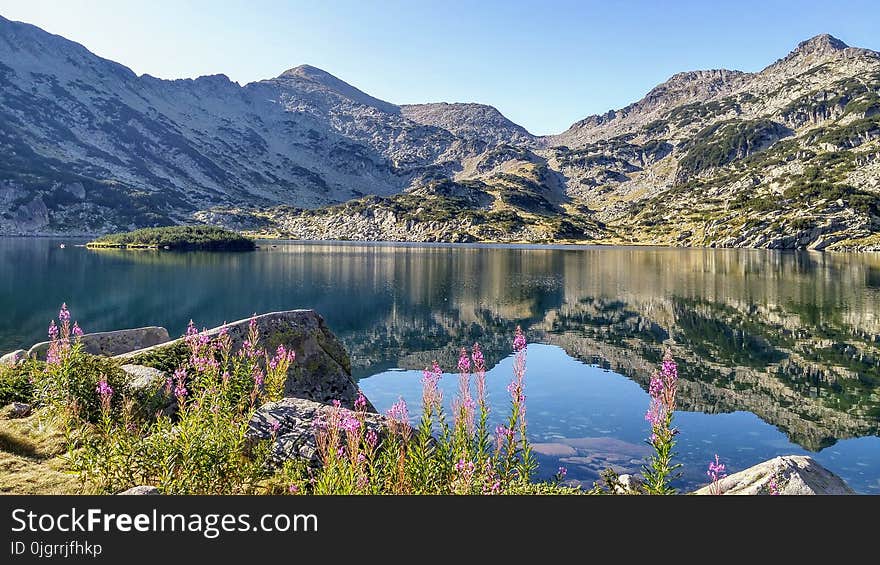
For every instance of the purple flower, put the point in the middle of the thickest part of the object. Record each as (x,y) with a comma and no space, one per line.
(53,331)
(104,390)
(432,397)
(516,392)
(716,469)
(258,378)
(503,433)
(773,486)
(669,368)
(464,362)
(656,387)
(77,331)
(716,472)
(656,413)
(519,340)
(562,472)
(64,313)
(477,358)
(398,412)
(464,466)
(180,384)
(350,424)
(372,438)
(275,427)
(293,489)
(361,402)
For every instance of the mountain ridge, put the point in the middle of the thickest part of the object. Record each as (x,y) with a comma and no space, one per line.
(783,157)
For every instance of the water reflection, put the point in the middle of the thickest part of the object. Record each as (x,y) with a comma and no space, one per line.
(789,337)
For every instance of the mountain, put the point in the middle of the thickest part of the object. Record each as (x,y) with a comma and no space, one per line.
(787,157)
(89,146)
(472,121)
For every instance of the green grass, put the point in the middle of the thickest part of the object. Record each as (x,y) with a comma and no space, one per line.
(177,238)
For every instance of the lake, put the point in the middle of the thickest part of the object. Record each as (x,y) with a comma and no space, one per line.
(777,351)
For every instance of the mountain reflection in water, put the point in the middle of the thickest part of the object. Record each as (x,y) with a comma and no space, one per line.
(791,338)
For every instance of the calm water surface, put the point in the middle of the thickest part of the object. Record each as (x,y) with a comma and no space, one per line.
(778,352)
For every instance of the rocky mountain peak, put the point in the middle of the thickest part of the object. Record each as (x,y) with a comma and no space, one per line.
(817,50)
(823,43)
(309,78)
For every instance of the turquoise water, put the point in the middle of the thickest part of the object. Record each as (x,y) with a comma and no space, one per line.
(778,352)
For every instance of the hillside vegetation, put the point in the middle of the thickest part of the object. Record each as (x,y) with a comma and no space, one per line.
(177,238)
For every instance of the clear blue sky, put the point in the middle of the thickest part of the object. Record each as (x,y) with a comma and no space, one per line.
(544,64)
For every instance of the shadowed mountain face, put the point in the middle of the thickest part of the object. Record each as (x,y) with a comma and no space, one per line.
(782,158)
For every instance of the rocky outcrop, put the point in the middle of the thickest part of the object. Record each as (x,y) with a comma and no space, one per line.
(322,370)
(13,357)
(785,475)
(112,343)
(291,423)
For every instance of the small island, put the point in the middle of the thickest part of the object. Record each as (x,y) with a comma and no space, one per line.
(176,238)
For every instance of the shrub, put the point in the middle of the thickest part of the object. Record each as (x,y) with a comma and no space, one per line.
(66,382)
(15,383)
(204,448)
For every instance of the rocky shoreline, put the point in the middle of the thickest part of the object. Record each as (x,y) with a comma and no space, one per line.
(375,231)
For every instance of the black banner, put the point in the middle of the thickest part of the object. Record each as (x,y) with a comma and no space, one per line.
(158,529)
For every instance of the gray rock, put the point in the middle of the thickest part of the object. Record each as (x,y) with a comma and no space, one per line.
(13,358)
(322,370)
(793,474)
(17,410)
(143,378)
(148,387)
(143,490)
(112,343)
(629,484)
(295,420)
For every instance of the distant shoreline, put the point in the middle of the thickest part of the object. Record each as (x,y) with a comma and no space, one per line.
(81,240)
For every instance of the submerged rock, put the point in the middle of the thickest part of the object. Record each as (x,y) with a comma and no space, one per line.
(321,371)
(792,475)
(292,423)
(112,343)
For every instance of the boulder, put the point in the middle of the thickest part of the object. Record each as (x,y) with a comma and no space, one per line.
(291,421)
(17,410)
(629,484)
(13,358)
(793,475)
(148,386)
(322,370)
(140,491)
(112,343)
(144,378)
